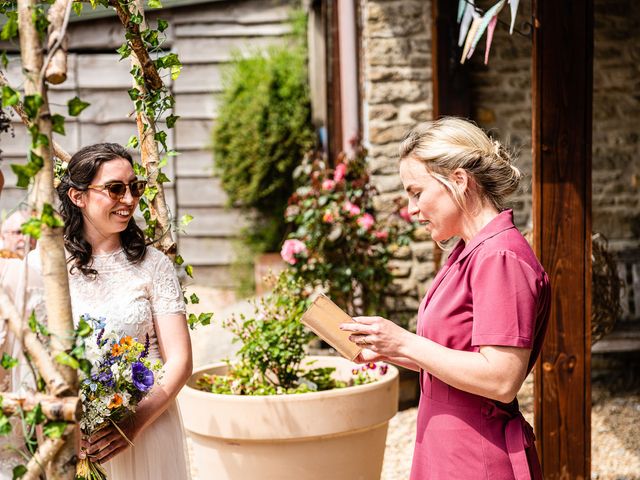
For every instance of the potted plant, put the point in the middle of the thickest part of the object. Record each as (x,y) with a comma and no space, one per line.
(277,413)
(339,243)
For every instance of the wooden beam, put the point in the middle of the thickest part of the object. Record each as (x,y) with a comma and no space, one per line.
(562,88)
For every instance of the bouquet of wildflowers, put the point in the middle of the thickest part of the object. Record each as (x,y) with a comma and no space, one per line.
(120,376)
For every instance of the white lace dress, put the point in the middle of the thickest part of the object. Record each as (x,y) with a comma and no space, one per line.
(129,297)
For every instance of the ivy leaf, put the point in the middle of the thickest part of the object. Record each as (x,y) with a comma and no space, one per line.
(162,138)
(63,358)
(189,270)
(83,329)
(77,8)
(150,193)
(35,416)
(9,96)
(76,106)
(35,326)
(54,429)
(179,260)
(134,93)
(194,298)
(162,178)
(8,361)
(32,228)
(162,25)
(10,28)
(155,4)
(49,218)
(20,470)
(32,104)
(171,120)
(186,220)
(124,51)
(57,124)
(4,59)
(205,318)
(5,425)
(85,366)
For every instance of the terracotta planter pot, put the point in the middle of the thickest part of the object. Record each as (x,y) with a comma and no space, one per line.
(336,434)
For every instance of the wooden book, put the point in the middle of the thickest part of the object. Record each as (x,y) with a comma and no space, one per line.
(324,317)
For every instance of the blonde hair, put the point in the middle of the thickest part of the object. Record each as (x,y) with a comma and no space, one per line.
(449,143)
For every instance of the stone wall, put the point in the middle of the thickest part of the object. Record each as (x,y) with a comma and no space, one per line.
(396,75)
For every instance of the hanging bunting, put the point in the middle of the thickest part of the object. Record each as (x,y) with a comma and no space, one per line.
(477,20)
(490,29)
(486,19)
(466,22)
(514,9)
(462,6)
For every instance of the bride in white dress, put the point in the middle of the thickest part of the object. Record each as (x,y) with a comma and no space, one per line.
(134,288)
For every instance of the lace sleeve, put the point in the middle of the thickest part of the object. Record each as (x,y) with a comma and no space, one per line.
(166,294)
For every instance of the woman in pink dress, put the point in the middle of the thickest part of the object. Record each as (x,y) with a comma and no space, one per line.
(482,323)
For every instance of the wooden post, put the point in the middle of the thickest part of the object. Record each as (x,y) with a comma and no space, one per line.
(562,87)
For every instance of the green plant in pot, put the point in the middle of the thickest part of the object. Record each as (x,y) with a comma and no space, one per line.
(273,347)
(276,413)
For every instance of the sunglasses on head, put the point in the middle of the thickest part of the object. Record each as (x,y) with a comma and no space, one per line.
(118,189)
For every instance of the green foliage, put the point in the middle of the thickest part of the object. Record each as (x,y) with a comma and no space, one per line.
(337,243)
(273,345)
(262,132)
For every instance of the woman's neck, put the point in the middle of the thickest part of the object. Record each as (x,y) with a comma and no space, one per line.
(101,243)
(472,224)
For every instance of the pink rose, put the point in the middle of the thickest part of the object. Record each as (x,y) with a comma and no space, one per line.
(381,234)
(366,221)
(290,248)
(339,173)
(404,213)
(352,209)
(327,217)
(328,184)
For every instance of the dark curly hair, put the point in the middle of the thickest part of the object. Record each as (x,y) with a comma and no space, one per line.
(80,173)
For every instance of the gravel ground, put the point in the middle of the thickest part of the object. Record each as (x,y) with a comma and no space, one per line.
(615,435)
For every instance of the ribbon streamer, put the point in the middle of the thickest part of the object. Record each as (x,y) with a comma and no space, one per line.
(514,9)
(486,19)
(462,6)
(490,29)
(477,20)
(466,21)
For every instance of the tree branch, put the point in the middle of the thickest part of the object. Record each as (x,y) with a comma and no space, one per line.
(68,409)
(58,151)
(151,75)
(45,453)
(55,65)
(34,347)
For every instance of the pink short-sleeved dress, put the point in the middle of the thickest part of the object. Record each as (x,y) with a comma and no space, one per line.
(492,291)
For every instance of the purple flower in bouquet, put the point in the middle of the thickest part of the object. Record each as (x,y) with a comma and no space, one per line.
(142,376)
(105,378)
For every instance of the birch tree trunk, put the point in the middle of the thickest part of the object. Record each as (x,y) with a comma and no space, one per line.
(54,269)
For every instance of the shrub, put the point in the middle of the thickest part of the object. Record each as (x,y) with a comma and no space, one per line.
(262,132)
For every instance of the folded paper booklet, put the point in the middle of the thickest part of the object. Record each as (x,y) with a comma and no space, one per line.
(324,317)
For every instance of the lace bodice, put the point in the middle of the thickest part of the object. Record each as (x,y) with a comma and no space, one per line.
(128,296)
